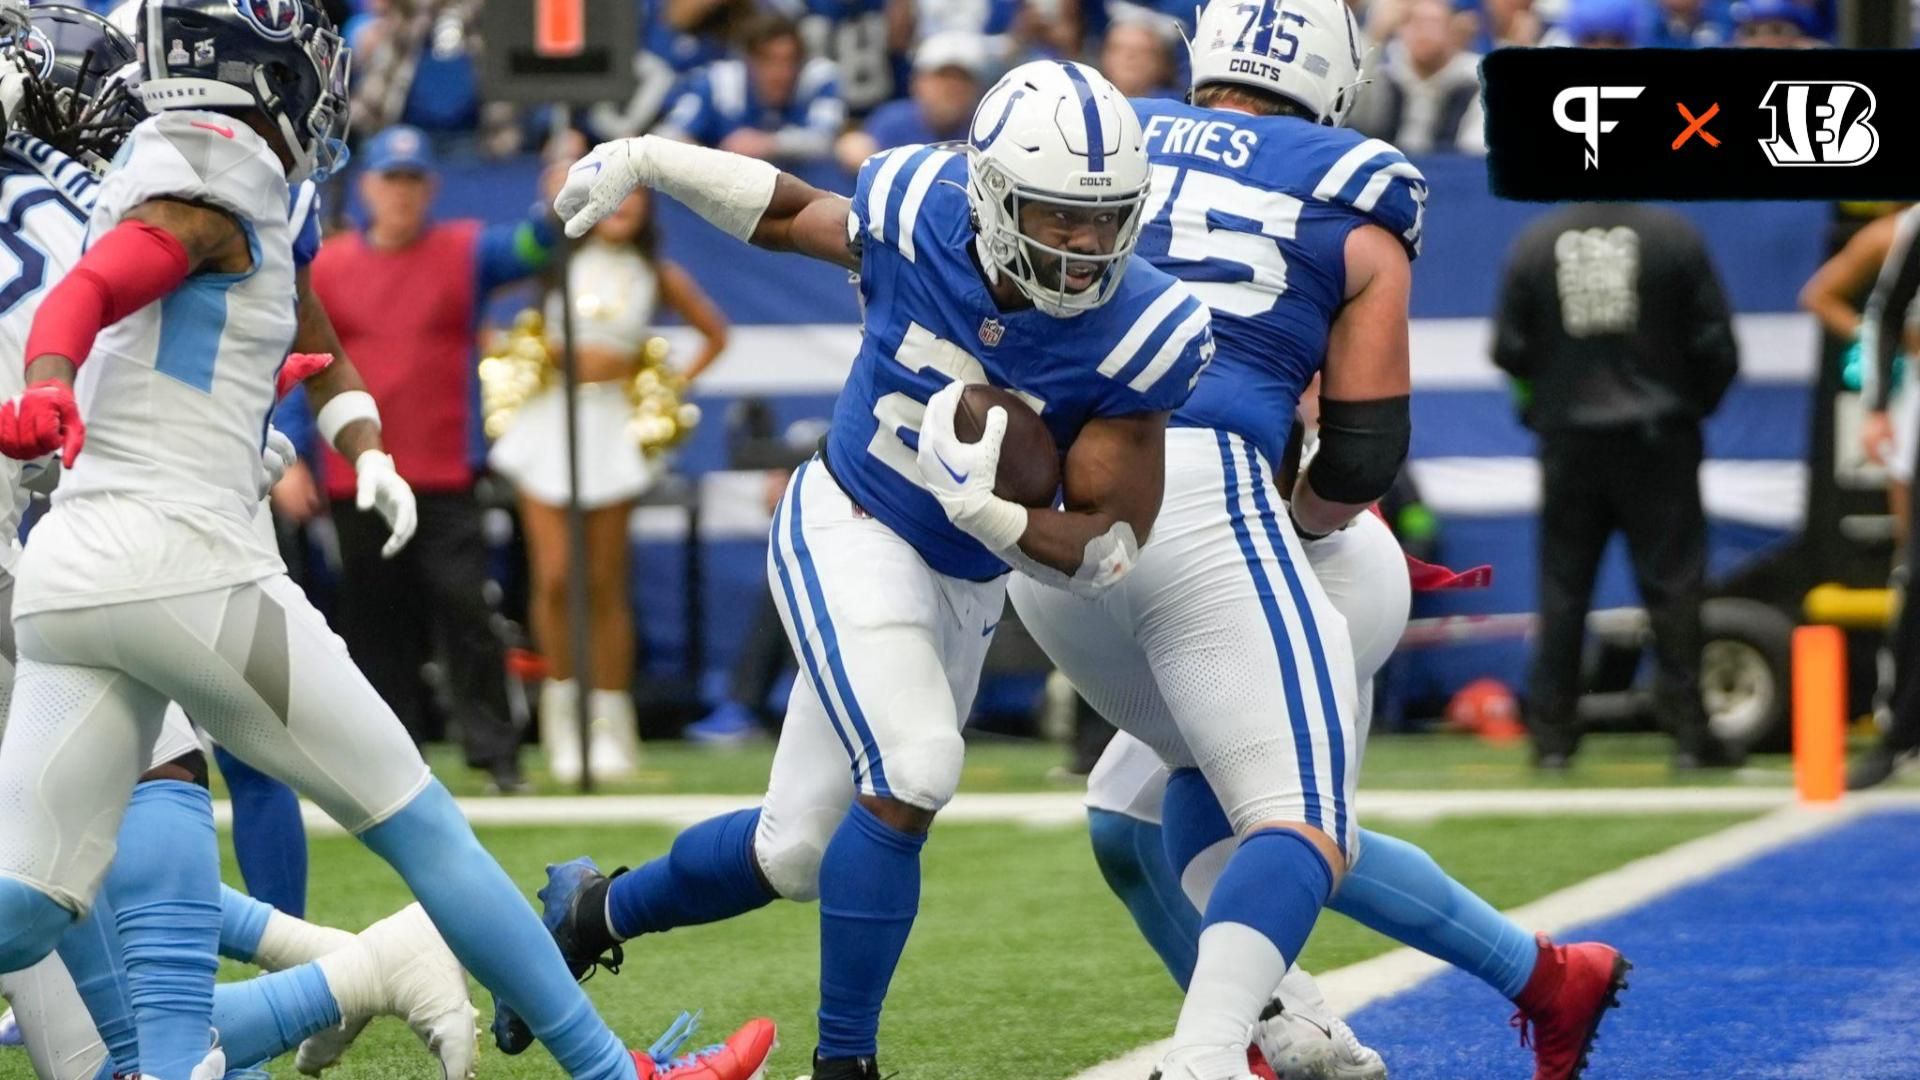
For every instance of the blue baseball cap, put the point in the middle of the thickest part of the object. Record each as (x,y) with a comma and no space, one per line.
(1774,11)
(400,148)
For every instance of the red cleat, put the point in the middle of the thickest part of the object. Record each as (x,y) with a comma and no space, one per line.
(1257,1064)
(742,1057)
(1571,989)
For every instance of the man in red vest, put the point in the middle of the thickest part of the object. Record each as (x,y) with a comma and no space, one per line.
(406,294)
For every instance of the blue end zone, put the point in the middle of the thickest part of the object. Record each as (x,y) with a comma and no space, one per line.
(1802,964)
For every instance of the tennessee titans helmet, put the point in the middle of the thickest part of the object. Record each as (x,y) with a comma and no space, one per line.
(281,57)
(77,98)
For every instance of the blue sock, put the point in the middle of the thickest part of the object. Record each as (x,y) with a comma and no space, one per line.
(708,875)
(269,842)
(242,920)
(1191,820)
(1135,867)
(869,895)
(91,951)
(1398,889)
(31,924)
(489,926)
(165,889)
(1276,883)
(262,1018)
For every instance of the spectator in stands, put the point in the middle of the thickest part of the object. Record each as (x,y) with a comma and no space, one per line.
(1137,56)
(1684,24)
(1602,24)
(1614,327)
(867,40)
(618,282)
(948,71)
(1426,91)
(406,294)
(416,64)
(776,104)
(1774,24)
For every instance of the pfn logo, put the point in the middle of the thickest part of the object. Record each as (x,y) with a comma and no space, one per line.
(1820,123)
(1588,125)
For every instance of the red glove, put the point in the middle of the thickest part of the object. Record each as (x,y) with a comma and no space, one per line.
(1432,577)
(42,420)
(300,367)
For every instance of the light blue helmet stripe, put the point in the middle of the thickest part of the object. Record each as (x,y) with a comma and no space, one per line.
(1090,113)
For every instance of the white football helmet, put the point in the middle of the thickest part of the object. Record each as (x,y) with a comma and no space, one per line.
(1307,51)
(1056,173)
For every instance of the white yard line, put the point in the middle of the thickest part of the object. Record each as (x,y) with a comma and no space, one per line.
(1358,985)
(1064,807)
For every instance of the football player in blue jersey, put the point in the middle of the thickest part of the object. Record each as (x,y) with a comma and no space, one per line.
(1005,262)
(1298,234)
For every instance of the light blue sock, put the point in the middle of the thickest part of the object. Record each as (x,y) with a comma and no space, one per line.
(165,889)
(242,920)
(262,1018)
(1134,863)
(1398,889)
(489,926)
(91,951)
(31,924)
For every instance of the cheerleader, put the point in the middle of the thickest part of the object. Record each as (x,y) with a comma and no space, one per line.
(617,280)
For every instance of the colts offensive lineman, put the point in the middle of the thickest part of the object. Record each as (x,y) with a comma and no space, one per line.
(1003,264)
(147,581)
(1297,235)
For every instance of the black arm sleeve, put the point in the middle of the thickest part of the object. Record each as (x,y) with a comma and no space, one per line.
(1514,343)
(1362,446)
(1885,318)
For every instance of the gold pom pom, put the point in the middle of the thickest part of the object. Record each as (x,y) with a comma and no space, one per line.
(660,420)
(516,370)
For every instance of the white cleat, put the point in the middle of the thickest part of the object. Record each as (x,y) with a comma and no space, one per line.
(1321,1048)
(10,1030)
(211,1067)
(1204,1063)
(399,966)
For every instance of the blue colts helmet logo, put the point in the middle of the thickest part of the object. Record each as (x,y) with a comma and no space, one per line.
(278,20)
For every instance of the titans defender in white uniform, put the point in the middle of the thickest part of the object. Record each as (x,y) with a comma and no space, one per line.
(147,581)
(1003,264)
(1298,235)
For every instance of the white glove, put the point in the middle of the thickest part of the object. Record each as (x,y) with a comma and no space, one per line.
(382,490)
(277,456)
(960,475)
(595,185)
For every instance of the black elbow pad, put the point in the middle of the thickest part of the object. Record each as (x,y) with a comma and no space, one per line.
(1362,446)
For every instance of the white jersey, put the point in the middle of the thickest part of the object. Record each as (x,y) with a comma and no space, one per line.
(176,396)
(44,200)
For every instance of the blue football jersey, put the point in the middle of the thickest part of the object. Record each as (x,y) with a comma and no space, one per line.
(929,320)
(721,100)
(1253,212)
(853,34)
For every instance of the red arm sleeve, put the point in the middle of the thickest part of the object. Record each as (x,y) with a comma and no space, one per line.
(133,265)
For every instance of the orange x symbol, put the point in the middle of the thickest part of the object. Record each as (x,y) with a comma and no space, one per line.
(1697,125)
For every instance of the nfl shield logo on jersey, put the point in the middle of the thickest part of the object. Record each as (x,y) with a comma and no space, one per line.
(990,332)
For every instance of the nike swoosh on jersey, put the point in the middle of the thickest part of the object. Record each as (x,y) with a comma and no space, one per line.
(223,132)
(958,477)
(988,632)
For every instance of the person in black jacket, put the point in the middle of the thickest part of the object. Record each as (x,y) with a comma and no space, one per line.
(1614,327)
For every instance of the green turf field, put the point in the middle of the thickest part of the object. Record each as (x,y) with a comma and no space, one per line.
(998,765)
(1022,966)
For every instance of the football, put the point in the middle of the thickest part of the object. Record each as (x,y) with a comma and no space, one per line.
(1029,462)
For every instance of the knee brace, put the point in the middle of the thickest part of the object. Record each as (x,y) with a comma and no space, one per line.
(789,855)
(31,923)
(924,771)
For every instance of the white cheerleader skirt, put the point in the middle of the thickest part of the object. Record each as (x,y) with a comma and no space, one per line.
(533,452)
